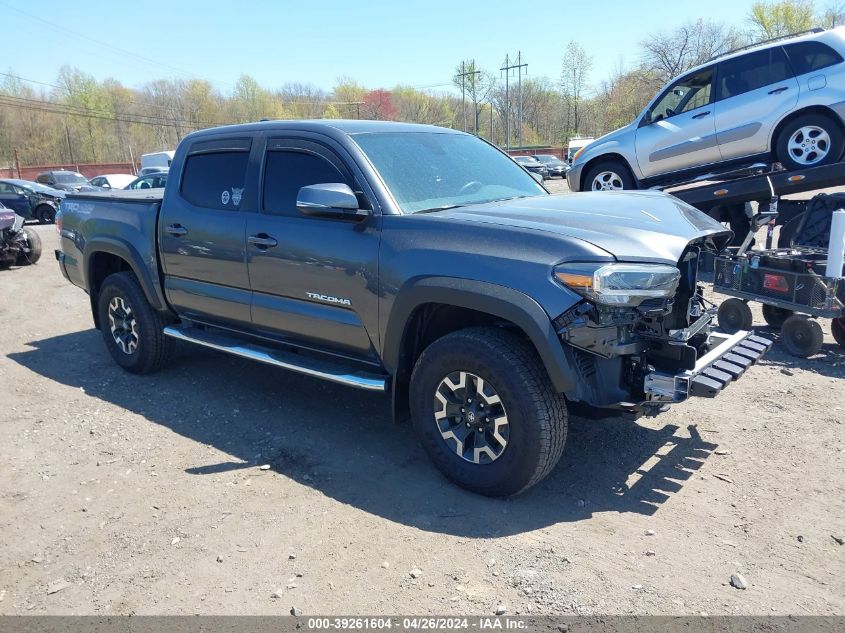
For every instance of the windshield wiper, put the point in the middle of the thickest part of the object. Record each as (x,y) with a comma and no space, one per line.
(445,207)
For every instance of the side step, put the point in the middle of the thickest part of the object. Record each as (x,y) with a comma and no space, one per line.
(332,372)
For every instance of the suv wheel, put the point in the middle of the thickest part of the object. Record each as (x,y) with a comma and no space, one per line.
(809,141)
(486,412)
(610,175)
(132,330)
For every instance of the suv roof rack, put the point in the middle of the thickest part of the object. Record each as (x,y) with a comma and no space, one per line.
(817,29)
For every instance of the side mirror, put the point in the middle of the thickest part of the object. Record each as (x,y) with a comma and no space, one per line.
(330,200)
(537,177)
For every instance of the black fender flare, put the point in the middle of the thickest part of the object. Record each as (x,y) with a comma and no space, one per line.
(498,301)
(120,248)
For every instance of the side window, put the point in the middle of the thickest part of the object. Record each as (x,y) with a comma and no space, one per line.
(750,72)
(287,171)
(688,93)
(807,57)
(6,188)
(215,180)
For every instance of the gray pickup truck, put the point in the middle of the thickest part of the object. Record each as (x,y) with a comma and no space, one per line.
(414,259)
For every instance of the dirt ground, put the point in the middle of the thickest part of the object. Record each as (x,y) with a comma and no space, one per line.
(122,494)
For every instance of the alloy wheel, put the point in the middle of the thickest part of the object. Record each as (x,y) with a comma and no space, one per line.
(471,417)
(809,145)
(123,325)
(607,181)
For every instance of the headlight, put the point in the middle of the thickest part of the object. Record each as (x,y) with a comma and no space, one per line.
(619,284)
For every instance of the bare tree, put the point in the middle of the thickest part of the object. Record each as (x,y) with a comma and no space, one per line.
(670,53)
(575,71)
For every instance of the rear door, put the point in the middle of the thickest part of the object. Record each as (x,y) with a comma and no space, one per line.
(753,92)
(202,233)
(679,131)
(314,279)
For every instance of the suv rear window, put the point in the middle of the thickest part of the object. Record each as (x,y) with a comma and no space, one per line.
(750,72)
(215,180)
(806,57)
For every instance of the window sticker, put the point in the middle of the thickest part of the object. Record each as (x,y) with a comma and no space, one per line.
(224,197)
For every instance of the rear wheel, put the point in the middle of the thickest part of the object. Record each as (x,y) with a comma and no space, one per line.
(734,315)
(802,336)
(131,329)
(609,175)
(775,316)
(837,329)
(33,242)
(809,140)
(486,411)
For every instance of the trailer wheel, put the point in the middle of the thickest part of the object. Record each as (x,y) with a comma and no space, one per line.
(775,316)
(734,315)
(802,336)
(837,328)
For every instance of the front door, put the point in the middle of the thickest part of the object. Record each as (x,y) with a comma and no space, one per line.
(201,233)
(313,279)
(679,130)
(753,92)
(15,198)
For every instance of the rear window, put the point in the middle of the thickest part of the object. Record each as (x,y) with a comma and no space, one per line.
(750,72)
(807,57)
(215,180)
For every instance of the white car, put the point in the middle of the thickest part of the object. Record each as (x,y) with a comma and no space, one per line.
(111,181)
(776,102)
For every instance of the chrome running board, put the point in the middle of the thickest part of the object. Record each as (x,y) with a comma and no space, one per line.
(316,368)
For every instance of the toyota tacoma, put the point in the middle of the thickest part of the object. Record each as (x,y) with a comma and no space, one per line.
(416,260)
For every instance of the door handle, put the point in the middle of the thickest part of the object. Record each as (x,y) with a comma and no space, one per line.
(262,241)
(701,115)
(777,91)
(176,230)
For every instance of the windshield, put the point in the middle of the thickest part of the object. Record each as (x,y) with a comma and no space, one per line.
(547,158)
(70,178)
(428,170)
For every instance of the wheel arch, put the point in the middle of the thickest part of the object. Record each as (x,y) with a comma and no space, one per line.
(433,307)
(813,109)
(104,256)
(601,158)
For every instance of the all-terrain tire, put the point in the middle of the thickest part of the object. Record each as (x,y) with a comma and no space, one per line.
(837,329)
(536,413)
(609,175)
(153,350)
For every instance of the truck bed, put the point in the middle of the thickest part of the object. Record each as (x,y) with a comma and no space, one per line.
(122,195)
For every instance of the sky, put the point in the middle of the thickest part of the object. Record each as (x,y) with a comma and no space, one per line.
(379,44)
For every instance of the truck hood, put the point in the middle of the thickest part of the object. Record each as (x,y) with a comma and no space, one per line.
(633,226)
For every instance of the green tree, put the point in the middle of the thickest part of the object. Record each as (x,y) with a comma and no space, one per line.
(776,18)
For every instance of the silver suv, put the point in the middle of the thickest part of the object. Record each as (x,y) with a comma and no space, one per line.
(781,101)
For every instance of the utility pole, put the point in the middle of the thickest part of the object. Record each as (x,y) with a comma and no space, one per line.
(469,72)
(17,164)
(507,68)
(69,148)
(519,67)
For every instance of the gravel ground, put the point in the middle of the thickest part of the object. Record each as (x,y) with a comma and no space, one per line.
(122,494)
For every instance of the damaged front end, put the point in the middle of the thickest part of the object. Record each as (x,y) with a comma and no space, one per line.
(644,339)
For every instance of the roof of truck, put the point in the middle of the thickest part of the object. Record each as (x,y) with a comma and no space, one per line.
(346,126)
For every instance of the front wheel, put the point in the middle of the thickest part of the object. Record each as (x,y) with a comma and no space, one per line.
(609,175)
(132,330)
(809,140)
(33,243)
(45,214)
(486,412)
